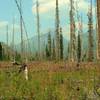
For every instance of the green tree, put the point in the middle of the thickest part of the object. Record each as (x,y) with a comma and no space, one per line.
(79,48)
(61,44)
(49,46)
(68,51)
(53,50)
(1,56)
(47,52)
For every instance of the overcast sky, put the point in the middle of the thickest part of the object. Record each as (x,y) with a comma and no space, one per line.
(8,11)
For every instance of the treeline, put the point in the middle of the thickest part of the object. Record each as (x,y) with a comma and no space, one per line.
(6,53)
(50,48)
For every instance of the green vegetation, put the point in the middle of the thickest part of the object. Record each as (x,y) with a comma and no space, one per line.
(48,85)
(1,52)
(61,44)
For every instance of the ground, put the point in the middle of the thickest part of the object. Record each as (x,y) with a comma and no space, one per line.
(51,81)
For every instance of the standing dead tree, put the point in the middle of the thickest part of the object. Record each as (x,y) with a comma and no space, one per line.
(23,64)
(13,41)
(21,29)
(7,41)
(38,29)
(13,58)
(57,32)
(72,32)
(80,31)
(90,31)
(98,18)
(23,25)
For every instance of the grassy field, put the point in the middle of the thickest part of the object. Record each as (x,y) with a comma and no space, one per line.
(57,82)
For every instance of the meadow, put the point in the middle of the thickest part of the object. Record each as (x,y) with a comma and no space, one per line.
(51,81)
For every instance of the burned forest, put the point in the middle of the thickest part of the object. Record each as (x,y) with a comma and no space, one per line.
(50,50)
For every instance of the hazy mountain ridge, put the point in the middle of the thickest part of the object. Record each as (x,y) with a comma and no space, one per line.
(44,39)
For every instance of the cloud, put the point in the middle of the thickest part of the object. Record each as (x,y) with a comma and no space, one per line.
(47,11)
(83,5)
(46,5)
(3,24)
(49,5)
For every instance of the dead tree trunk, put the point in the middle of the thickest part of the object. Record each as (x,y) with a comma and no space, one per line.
(98,17)
(57,32)
(90,37)
(38,29)
(72,33)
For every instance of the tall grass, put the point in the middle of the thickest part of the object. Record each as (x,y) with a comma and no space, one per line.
(45,85)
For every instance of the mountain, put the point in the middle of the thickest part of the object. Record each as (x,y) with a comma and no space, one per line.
(44,38)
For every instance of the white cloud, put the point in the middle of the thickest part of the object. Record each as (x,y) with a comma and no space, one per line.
(83,5)
(46,6)
(3,24)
